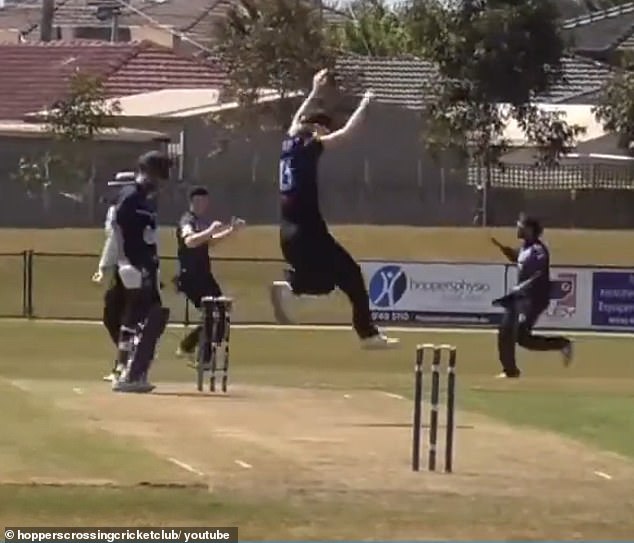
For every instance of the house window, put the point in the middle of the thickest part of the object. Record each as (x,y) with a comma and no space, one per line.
(175,152)
(101,33)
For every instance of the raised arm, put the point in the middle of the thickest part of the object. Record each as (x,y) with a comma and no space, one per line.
(319,81)
(508,252)
(226,230)
(216,232)
(193,239)
(336,137)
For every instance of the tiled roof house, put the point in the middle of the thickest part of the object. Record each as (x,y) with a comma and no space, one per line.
(137,19)
(602,33)
(401,81)
(34,75)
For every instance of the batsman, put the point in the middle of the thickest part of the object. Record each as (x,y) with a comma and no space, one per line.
(144,319)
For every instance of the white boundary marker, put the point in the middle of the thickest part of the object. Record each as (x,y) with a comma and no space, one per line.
(603,475)
(243,464)
(186,467)
(346,328)
(392,395)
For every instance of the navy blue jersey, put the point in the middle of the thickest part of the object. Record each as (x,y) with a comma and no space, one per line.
(136,220)
(532,258)
(299,194)
(192,260)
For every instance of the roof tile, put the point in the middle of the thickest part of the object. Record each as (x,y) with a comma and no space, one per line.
(37,74)
(401,81)
(601,30)
(196,18)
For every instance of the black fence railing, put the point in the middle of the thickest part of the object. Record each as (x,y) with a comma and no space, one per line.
(42,285)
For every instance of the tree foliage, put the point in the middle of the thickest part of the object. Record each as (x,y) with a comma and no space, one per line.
(373,29)
(616,107)
(84,112)
(493,59)
(73,122)
(275,45)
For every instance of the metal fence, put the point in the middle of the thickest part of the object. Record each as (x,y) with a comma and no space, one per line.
(41,285)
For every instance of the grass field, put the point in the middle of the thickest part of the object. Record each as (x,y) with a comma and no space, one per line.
(313,440)
(68,278)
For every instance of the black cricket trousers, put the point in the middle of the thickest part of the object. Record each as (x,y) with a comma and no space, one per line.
(114,306)
(319,265)
(516,326)
(195,288)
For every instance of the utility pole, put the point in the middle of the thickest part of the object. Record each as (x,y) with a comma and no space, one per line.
(46,21)
(114,24)
(108,11)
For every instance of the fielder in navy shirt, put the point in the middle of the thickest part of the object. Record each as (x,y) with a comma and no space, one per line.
(527,300)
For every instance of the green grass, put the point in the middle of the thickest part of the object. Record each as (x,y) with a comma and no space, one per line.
(591,402)
(603,420)
(38,441)
(68,278)
(293,519)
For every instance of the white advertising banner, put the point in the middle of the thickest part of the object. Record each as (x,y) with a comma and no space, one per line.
(582,298)
(570,298)
(438,293)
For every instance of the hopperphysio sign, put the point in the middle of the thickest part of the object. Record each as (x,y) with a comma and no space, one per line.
(582,298)
(434,293)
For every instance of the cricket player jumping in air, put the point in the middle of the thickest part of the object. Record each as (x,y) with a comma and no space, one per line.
(144,319)
(319,263)
(527,300)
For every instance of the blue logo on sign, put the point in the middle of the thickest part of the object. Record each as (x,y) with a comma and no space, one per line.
(387,286)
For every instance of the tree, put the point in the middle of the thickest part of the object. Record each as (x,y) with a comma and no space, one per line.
(276,45)
(616,107)
(73,122)
(494,58)
(84,113)
(374,29)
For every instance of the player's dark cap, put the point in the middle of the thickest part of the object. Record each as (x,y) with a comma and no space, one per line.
(533,223)
(155,163)
(318,117)
(198,191)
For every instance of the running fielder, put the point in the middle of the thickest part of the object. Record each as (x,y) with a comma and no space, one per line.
(527,300)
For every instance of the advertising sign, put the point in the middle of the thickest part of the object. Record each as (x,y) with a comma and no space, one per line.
(569,298)
(434,293)
(613,299)
(456,294)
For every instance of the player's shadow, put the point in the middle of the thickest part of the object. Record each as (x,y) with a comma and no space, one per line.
(200,395)
(404,425)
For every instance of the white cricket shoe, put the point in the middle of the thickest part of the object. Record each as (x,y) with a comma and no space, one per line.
(281,297)
(567,354)
(114,375)
(124,384)
(504,375)
(141,386)
(379,342)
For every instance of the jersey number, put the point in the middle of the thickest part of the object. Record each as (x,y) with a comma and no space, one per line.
(286,175)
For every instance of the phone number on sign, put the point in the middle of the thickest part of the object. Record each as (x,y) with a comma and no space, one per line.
(391,316)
